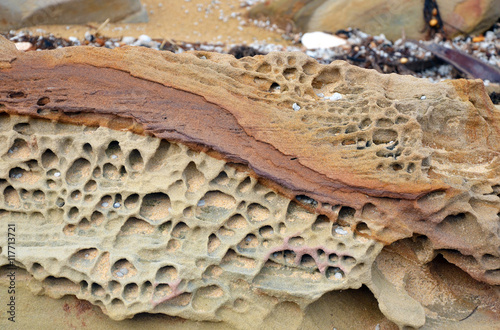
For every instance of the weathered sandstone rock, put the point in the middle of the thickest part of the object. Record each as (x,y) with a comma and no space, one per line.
(381,16)
(15,14)
(202,186)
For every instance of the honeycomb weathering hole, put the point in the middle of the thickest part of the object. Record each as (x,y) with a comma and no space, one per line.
(23,128)
(19,149)
(258,212)
(78,171)
(43,101)
(131,291)
(180,230)
(237,221)
(222,179)
(97,290)
(194,178)
(132,201)
(136,161)
(159,157)
(114,151)
(207,298)
(110,172)
(155,206)
(11,197)
(346,213)
(166,274)
(325,77)
(215,205)
(384,136)
(137,226)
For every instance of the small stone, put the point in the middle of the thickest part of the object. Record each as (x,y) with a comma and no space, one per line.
(423,97)
(144,40)
(23,46)
(74,40)
(315,40)
(16,176)
(128,40)
(340,231)
(336,96)
(296,107)
(478,39)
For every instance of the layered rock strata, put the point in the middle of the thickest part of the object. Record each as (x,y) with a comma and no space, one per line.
(195,184)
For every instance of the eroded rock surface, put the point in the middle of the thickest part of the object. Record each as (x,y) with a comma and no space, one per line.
(197,183)
(144,225)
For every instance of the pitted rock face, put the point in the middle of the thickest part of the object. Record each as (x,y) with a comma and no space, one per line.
(352,159)
(144,225)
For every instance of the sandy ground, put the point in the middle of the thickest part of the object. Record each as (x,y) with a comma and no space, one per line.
(208,21)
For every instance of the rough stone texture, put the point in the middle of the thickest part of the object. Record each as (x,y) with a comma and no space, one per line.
(390,17)
(144,225)
(397,161)
(15,14)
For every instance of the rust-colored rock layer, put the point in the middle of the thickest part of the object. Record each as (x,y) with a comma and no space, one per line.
(395,157)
